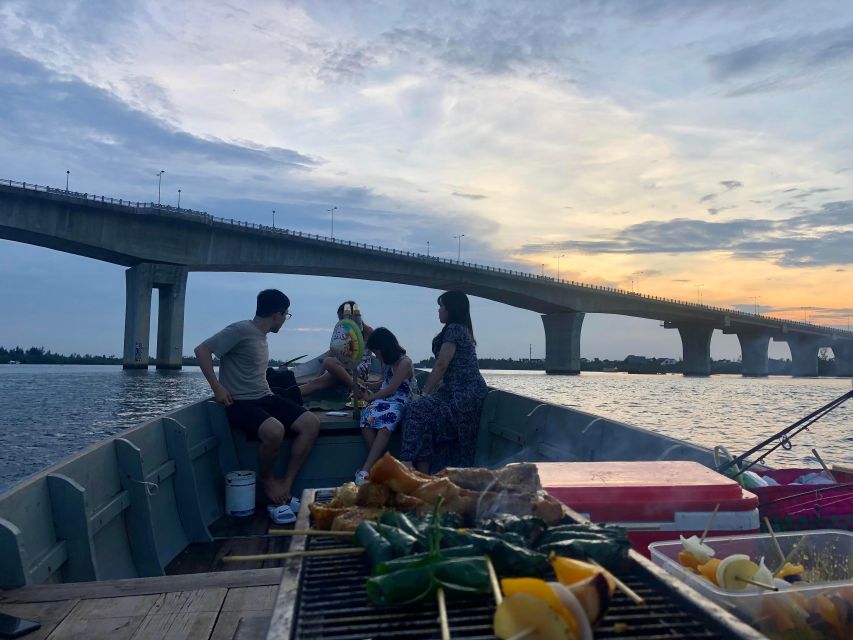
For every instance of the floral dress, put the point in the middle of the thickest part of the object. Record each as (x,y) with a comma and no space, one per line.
(386,413)
(442,427)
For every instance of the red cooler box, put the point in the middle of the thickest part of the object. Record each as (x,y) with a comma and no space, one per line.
(653,500)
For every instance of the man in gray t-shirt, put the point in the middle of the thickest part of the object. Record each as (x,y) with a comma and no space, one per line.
(250,404)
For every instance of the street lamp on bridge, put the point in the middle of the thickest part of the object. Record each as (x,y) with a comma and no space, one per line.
(332,211)
(699,293)
(67,173)
(273,218)
(562,255)
(756,306)
(459,247)
(179,198)
(159,182)
(427,248)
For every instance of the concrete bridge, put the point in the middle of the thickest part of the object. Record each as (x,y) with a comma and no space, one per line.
(161,244)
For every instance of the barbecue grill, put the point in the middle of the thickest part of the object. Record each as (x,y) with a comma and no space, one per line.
(324,597)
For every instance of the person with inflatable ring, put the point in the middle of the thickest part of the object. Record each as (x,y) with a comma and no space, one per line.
(332,372)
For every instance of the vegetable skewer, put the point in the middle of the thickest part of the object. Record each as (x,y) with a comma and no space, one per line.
(442,615)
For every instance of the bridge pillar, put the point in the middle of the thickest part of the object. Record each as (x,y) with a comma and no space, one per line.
(172,283)
(843,352)
(753,349)
(171,280)
(695,347)
(563,342)
(804,352)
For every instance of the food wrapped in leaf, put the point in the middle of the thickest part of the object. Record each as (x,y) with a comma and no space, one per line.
(457,576)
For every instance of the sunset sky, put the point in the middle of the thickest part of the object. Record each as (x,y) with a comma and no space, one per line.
(688,149)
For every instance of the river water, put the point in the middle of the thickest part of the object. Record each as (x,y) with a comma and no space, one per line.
(48,412)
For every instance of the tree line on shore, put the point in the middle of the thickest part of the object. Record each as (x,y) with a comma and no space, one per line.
(630,364)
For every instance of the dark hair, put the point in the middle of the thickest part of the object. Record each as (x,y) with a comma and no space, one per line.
(385,342)
(458,312)
(271,301)
(341,308)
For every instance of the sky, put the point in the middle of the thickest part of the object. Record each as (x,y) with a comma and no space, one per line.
(699,150)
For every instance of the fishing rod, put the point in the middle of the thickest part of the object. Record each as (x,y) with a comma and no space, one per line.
(784,436)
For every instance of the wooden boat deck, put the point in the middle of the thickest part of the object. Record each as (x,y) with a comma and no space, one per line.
(200,598)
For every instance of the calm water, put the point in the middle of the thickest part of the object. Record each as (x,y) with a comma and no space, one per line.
(47,412)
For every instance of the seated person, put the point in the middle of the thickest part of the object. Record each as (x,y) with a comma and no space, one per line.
(250,404)
(332,372)
(385,406)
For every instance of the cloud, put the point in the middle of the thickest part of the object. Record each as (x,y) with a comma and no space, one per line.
(715,210)
(728,186)
(816,238)
(43,107)
(782,61)
(469,196)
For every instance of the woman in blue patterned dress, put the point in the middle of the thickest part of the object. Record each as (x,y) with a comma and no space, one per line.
(385,407)
(440,428)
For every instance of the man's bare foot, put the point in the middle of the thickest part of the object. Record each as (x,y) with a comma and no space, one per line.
(276,491)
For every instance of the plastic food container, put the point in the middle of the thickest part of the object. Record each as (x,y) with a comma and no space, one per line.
(818,607)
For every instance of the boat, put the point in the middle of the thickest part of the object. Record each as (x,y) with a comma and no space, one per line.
(130,532)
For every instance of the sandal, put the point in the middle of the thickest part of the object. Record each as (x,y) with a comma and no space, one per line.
(281,513)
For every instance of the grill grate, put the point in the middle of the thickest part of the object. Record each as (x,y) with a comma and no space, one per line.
(333,604)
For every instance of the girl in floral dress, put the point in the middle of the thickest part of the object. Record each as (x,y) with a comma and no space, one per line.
(385,407)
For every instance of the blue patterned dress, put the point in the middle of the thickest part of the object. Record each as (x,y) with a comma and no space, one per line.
(442,427)
(386,413)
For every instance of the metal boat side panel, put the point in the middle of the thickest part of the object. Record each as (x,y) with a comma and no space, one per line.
(96,471)
(27,534)
(205,454)
(516,428)
(159,469)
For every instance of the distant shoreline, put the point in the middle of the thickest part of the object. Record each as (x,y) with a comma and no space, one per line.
(630,364)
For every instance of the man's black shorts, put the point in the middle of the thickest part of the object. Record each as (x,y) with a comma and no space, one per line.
(248,415)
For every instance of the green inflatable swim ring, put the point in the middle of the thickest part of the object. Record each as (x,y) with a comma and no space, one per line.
(347,343)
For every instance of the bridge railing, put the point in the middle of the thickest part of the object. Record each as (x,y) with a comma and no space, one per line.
(162,209)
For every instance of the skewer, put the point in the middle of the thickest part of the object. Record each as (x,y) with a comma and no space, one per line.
(522,634)
(294,554)
(624,588)
(493,577)
(793,552)
(758,584)
(775,541)
(442,615)
(311,532)
(710,522)
(823,464)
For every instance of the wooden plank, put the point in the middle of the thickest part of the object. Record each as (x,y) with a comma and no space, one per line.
(195,601)
(119,607)
(176,626)
(282,619)
(251,628)
(85,629)
(49,614)
(143,586)
(250,599)
(228,622)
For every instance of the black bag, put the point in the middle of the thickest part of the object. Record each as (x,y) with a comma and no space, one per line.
(283,383)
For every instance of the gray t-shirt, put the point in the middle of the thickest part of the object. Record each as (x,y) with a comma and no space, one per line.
(244,354)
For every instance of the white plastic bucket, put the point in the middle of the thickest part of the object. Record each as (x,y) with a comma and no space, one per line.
(240,493)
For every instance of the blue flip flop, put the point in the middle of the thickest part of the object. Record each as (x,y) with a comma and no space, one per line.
(281,513)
